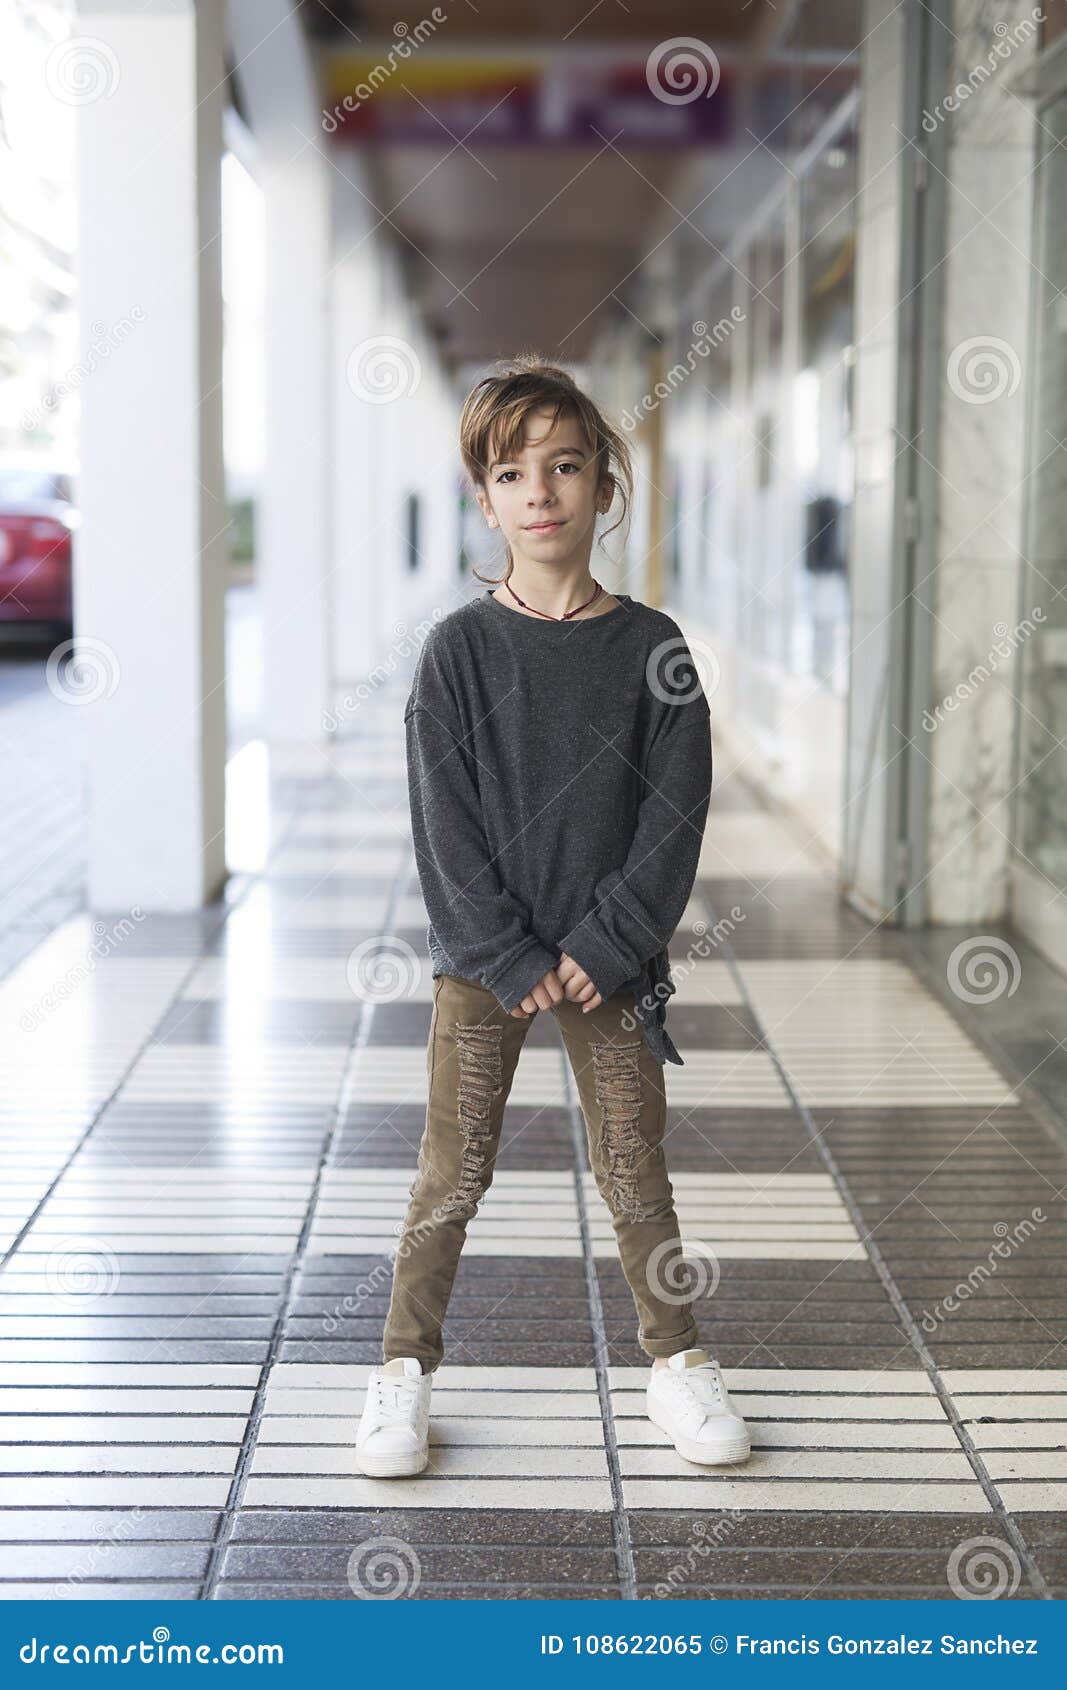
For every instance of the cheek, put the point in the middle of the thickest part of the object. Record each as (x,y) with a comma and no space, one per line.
(507,508)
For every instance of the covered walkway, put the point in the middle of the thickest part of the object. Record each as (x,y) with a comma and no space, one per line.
(210,1122)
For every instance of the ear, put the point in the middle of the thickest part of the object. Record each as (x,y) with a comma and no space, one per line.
(485,507)
(605,493)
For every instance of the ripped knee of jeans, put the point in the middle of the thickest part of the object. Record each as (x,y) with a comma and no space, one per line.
(618,1093)
(480,1082)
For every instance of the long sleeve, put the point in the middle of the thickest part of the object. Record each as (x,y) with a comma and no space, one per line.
(637,907)
(482,928)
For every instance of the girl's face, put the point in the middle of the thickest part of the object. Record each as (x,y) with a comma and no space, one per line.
(545,501)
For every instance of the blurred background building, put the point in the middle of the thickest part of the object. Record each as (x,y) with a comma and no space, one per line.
(252,257)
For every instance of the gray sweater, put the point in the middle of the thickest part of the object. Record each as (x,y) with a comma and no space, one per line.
(559,775)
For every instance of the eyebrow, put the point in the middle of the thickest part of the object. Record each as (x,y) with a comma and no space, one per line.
(500,463)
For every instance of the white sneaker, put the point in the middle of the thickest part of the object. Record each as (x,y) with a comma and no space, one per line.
(393,1439)
(688,1400)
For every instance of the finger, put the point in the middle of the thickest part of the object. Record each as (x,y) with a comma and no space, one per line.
(594,1003)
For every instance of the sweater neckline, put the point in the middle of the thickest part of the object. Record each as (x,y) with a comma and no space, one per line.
(494,604)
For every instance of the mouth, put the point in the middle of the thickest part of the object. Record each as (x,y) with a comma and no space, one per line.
(544,527)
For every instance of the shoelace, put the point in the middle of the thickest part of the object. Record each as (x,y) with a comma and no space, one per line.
(403,1391)
(701,1385)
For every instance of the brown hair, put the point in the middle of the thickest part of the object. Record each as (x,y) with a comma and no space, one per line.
(494,416)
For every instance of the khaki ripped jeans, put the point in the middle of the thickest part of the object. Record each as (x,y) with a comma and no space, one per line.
(474,1047)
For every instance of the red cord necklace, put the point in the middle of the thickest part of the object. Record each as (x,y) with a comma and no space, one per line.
(567,614)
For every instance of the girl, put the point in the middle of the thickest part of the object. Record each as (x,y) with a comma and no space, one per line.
(559,775)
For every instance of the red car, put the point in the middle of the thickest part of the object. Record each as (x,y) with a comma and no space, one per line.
(37,519)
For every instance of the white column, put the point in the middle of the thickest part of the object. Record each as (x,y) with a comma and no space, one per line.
(981,456)
(395,434)
(359,567)
(874,764)
(293,539)
(150,555)
(293,549)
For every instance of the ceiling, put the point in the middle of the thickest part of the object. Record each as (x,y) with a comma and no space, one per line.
(717,21)
(523,244)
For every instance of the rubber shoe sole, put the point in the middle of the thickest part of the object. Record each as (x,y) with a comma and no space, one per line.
(399,1464)
(731,1449)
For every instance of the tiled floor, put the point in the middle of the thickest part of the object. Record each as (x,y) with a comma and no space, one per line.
(208,1136)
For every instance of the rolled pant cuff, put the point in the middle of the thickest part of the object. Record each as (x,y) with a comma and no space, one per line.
(429,1364)
(687,1340)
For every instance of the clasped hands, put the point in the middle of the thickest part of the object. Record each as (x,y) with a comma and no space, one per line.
(566,980)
